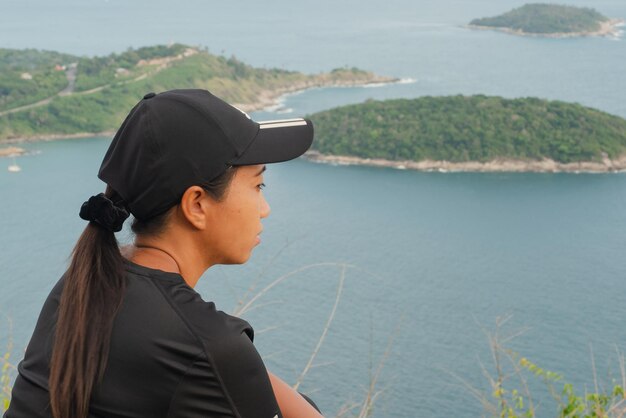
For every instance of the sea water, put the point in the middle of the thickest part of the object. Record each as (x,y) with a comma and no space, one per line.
(429,260)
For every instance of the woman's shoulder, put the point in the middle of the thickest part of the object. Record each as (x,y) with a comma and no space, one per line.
(201,317)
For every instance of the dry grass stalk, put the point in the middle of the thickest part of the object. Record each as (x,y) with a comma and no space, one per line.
(240,310)
(364,407)
(329,321)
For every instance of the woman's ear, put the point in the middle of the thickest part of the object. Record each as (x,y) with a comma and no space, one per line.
(196,206)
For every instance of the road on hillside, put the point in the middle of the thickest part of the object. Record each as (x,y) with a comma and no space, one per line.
(70,74)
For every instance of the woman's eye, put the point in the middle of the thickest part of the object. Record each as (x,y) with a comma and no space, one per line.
(261,186)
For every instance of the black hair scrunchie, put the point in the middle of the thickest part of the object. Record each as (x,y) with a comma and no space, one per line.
(103,211)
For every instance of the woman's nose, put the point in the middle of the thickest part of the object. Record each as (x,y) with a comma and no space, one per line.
(265,207)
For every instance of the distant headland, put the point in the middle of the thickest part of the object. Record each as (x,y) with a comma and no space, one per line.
(551,20)
(48,95)
(472,133)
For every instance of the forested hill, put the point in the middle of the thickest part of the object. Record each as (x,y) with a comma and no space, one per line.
(470,128)
(48,93)
(546,19)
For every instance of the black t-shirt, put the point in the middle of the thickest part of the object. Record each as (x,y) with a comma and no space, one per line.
(172,355)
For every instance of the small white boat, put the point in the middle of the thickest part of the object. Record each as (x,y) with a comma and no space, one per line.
(14,168)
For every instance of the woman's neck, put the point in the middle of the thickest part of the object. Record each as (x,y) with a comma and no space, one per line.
(153,257)
(158,259)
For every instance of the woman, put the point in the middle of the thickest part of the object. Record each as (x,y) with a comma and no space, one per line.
(123,333)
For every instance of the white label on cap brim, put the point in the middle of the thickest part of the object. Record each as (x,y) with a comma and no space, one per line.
(279,120)
(297,122)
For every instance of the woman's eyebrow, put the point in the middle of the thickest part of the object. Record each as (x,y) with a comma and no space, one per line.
(260,171)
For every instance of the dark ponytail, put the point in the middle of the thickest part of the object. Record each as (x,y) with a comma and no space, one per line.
(92,293)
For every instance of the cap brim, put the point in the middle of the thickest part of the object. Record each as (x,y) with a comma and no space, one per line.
(277,141)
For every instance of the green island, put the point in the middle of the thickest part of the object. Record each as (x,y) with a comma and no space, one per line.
(46,94)
(471,133)
(539,19)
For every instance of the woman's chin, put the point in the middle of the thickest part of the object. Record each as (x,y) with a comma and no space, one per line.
(237,259)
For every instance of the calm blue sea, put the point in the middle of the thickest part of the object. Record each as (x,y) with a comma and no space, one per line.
(433,259)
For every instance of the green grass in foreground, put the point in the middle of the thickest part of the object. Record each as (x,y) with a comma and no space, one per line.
(539,18)
(514,393)
(470,128)
(7,373)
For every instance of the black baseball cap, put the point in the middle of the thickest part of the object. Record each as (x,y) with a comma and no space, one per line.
(180,138)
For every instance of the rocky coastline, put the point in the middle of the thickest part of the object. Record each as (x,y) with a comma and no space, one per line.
(609,28)
(12,151)
(502,165)
(269,99)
